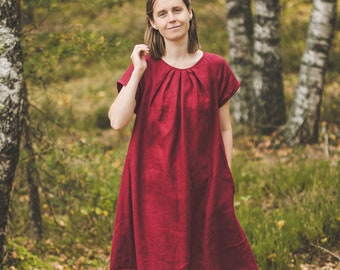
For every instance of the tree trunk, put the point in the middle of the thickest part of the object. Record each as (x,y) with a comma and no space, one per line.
(302,125)
(27,14)
(11,103)
(32,174)
(267,76)
(240,34)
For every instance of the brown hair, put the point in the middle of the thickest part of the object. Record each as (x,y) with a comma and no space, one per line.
(155,41)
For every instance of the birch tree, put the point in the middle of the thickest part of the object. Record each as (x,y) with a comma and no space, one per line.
(303,123)
(267,74)
(11,104)
(240,33)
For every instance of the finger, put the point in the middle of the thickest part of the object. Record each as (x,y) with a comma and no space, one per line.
(141,47)
(138,54)
(144,52)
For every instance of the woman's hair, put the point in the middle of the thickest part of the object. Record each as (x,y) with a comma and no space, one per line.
(155,41)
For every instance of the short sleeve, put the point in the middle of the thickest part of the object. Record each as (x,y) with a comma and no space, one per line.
(228,84)
(125,78)
(123,81)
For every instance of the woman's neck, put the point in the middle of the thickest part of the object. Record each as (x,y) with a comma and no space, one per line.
(176,49)
(178,56)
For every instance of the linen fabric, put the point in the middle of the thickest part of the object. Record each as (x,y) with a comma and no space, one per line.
(175,209)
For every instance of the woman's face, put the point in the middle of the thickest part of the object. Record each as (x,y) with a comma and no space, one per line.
(172,19)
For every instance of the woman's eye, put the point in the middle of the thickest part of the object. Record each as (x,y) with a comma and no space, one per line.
(162,14)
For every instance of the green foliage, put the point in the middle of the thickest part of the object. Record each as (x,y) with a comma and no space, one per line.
(79,187)
(81,191)
(60,53)
(52,57)
(56,3)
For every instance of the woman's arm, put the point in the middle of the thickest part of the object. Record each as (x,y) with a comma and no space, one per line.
(122,109)
(226,130)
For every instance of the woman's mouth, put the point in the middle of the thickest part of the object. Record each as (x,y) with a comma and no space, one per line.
(173,27)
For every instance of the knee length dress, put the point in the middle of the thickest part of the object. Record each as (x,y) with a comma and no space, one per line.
(175,208)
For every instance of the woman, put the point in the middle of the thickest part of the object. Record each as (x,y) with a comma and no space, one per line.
(175,209)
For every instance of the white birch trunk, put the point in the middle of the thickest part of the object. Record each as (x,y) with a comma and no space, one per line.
(240,33)
(11,83)
(267,77)
(303,124)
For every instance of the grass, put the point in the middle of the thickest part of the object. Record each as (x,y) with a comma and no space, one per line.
(285,207)
(286,200)
(288,206)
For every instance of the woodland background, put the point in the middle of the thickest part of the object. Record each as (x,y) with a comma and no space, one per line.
(287,198)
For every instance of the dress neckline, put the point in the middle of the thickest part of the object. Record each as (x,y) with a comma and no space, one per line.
(190,67)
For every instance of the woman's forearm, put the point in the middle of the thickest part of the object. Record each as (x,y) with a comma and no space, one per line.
(122,109)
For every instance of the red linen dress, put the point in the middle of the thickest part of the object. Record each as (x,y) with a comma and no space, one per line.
(175,209)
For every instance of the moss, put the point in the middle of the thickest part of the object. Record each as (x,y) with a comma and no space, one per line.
(20,258)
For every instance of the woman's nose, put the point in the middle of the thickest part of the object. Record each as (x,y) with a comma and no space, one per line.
(172,17)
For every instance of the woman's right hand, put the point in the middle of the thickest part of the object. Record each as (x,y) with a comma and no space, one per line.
(123,107)
(138,57)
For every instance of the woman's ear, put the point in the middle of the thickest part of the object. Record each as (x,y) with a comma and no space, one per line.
(190,14)
(153,24)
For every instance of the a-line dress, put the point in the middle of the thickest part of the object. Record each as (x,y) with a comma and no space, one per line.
(175,208)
